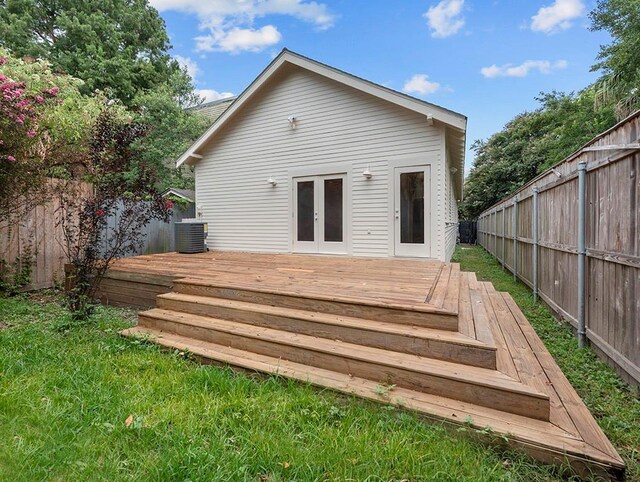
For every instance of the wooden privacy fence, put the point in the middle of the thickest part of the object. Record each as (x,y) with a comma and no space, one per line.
(39,237)
(572,234)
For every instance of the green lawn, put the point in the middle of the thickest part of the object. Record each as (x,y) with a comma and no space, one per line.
(82,403)
(614,404)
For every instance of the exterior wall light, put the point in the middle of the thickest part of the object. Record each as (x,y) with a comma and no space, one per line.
(367,173)
(292,121)
(272,181)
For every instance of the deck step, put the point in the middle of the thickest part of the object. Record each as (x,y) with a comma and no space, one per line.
(541,439)
(461,382)
(428,342)
(419,314)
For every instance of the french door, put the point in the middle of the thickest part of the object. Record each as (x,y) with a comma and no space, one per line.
(412,211)
(319,214)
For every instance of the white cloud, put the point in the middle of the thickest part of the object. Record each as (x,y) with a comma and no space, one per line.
(239,39)
(229,24)
(445,19)
(522,70)
(419,84)
(190,65)
(558,16)
(210,94)
(194,72)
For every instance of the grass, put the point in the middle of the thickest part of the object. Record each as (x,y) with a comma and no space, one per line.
(79,402)
(614,404)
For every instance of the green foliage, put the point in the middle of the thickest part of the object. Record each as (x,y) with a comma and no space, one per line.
(612,402)
(120,51)
(534,141)
(83,403)
(530,144)
(17,274)
(124,187)
(120,47)
(47,136)
(173,129)
(620,60)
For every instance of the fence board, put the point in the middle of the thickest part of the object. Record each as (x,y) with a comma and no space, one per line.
(158,234)
(612,290)
(39,231)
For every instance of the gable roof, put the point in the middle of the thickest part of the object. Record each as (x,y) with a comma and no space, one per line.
(456,123)
(186,194)
(214,109)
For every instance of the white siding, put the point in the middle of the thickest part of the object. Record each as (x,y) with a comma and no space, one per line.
(336,125)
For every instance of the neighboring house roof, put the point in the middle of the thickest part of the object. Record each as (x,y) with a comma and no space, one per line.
(213,109)
(457,123)
(187,194)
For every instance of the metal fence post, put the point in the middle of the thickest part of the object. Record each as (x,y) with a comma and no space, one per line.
(495,230)
(535,244)
(582,251)
(515,238)
(504,235)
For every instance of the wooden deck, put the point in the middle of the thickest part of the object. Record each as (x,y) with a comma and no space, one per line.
(452,347)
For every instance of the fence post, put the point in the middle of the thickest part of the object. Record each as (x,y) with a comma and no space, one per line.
(535,244)
(515,238)
(495,230)
(582,251)
(504,235)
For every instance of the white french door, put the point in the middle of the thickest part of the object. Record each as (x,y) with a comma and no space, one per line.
(319,214)
(412,211)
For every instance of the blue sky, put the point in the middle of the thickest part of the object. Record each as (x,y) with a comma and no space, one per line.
(487,59)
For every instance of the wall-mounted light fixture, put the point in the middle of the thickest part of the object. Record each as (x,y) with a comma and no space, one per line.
(429,120)
(453,170)
(199,210)
(272,181)
(367,173)
(292,121)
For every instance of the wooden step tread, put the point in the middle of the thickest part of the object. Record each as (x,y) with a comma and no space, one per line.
(330,319)
(259,286)
(419,365)
(399,337)
(540,439)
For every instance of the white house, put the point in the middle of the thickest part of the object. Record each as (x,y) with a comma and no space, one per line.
(310,159)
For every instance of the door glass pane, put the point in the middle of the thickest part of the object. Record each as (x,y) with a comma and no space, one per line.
(305,210)
(412,207)
(333,211)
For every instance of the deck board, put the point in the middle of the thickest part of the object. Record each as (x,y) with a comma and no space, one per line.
(402,282)
(473,309)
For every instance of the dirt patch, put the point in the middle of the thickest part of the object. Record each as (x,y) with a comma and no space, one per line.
(45,296)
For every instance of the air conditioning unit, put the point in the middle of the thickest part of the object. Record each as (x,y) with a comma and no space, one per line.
(190,237)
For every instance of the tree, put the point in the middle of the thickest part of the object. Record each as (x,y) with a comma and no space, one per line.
(123,191)
(117,46)
(44,124)
(620,60)
(529,144)
(172,130)
(119,49)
